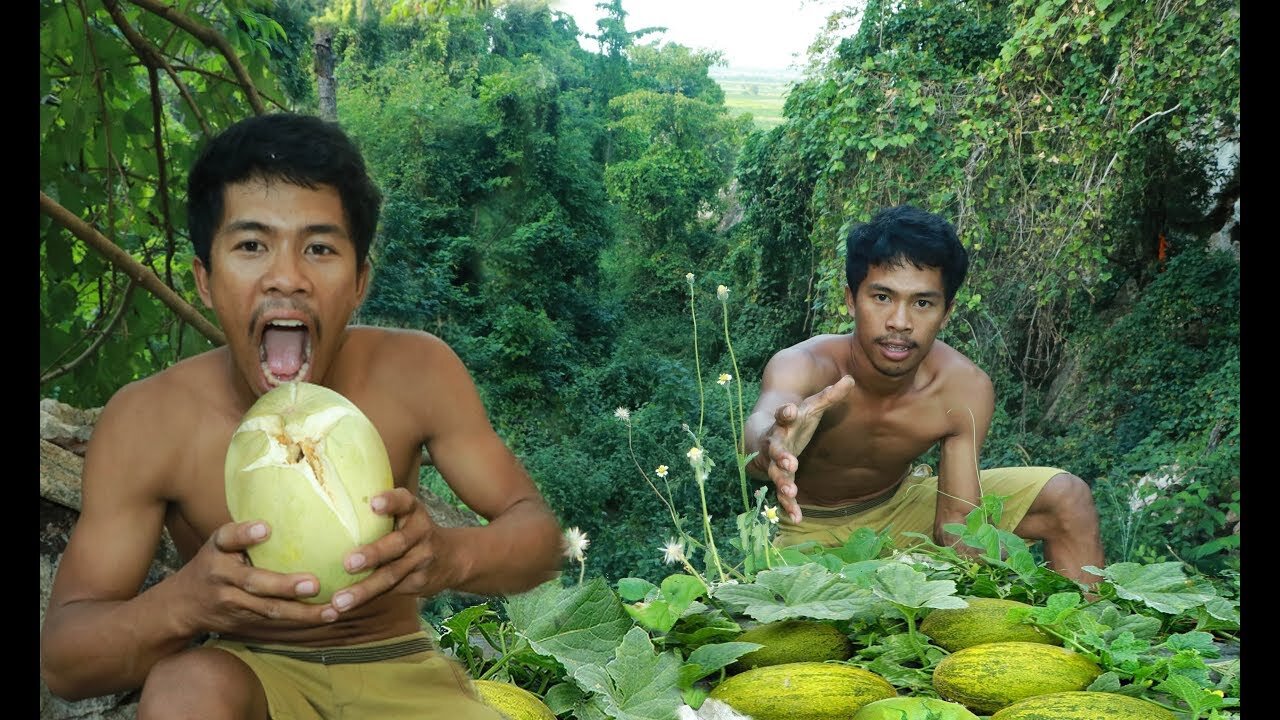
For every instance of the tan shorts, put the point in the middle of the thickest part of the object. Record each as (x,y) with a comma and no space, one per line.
(402,677)
(911,508)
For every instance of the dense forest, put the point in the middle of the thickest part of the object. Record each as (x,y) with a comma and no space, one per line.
(603,241)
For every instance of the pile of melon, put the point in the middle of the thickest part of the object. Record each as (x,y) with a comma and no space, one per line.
(996,669)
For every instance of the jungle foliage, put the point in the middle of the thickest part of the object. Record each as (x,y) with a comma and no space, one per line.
(546,202)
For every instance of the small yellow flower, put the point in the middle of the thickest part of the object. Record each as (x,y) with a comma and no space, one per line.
(672,552)
(1219,693)
(575,544)
(722,292)
(622,414)
(724,378)
(661,471)
(770,514)
(695,454)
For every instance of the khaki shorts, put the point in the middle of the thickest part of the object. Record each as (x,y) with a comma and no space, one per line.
(402,677)
(911,508)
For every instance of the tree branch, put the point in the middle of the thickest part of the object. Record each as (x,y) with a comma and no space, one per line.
(61,370)
(211,38)
(140,273)
(150,56)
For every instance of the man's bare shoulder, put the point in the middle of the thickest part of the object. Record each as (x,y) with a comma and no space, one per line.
(819,350)
(957,375)
(172,404)
(807,366)
(393,348)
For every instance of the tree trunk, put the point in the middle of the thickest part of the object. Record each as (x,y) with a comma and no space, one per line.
(326,88)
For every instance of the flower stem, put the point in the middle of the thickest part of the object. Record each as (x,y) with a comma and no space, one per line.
(697,360)
(706,529)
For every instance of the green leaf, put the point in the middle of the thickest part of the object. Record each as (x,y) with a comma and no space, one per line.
(1162,586)
(633,589)
(907,587)
(638,684)
(806,591)
(578,625)
(711,658)
(1201,642)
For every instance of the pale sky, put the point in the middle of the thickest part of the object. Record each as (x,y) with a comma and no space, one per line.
(752,34)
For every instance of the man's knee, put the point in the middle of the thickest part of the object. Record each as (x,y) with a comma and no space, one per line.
(205,678)
(1070,500)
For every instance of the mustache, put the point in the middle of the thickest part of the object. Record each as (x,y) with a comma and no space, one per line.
(276,306)
(895,340)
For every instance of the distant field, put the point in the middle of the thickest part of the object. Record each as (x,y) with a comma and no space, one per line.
(758,93)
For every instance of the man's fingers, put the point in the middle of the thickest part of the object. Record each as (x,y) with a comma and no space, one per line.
(267,584)
(830,395)
(237,537)
(786,414)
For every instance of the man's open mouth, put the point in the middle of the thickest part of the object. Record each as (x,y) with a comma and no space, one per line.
(285,351)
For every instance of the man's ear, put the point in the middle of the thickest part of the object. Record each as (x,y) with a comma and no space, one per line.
(363,277)
(201,271)
(947,318)
(848,299)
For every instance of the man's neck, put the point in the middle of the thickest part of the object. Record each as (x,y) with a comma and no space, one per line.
(874,382)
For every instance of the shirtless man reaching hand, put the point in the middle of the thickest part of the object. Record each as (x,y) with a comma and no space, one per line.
(842,418)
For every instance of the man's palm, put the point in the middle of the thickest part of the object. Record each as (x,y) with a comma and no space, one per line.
(794,426)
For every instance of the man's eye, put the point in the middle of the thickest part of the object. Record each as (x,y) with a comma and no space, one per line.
(923,304)
(321,250)
(249,245)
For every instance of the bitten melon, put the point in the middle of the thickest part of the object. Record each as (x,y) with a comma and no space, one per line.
(1083,705)
(982,621)
(802,691)
(307,461)
(513,701)
(788,641)
(913,708)
(991,676)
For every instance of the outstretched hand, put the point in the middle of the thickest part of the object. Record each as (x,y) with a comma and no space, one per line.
(794,425)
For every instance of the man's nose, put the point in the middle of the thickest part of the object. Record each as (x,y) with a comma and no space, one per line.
(286,273)
(899,319)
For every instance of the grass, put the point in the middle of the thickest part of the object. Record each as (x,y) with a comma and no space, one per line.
(760,93)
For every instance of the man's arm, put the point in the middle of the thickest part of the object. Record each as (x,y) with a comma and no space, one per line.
(99,635)
(791,403)
(521,545)
(969,411)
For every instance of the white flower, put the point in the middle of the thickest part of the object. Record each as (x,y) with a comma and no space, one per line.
(673,552)
(575,544)
(695,454)
(689,277)
(770,514)
(661,471)
(722,292)
(622,414)
(724,378)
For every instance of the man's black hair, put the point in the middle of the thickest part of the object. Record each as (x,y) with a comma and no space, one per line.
(906,234)
(303,150)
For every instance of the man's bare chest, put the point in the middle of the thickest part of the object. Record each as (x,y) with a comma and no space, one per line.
(879,436)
